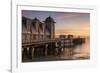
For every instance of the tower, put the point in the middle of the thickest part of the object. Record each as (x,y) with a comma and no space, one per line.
(50,26)
(26,23)
(35,28)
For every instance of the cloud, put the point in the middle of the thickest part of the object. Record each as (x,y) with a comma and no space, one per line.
(70,15)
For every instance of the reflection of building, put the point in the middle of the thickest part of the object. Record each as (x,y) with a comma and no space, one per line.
(36,30)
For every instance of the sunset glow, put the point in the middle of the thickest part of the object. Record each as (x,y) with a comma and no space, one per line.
(77,24)
(55,36)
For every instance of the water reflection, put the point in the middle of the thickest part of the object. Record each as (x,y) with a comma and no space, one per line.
(83,50)
(47,53)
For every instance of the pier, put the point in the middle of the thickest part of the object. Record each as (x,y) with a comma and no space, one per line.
(48,47)
(39,39)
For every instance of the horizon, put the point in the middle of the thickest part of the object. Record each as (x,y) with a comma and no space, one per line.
(66,22)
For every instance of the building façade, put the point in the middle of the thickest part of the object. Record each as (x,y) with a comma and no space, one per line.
(34,29)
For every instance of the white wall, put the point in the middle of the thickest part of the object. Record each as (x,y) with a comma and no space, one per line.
(5,34)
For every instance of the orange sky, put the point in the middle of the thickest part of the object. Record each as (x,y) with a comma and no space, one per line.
(76,33)
(78,30)
(74,23)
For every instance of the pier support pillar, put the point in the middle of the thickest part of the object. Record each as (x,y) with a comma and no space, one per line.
(59,48)
(51,49)
(24,53)
(30,52)
(46,47)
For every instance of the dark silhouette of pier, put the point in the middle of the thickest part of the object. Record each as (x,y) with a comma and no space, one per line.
(38,39)
(49,47)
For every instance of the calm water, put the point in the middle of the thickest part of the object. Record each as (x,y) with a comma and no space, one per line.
(73,53)
(79,52)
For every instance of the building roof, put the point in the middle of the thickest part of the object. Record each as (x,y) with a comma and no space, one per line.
(49,19)
(35,19)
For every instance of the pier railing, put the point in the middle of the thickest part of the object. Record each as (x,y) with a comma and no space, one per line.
(46,41)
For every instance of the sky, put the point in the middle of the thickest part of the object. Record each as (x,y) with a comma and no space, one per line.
(66,22)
